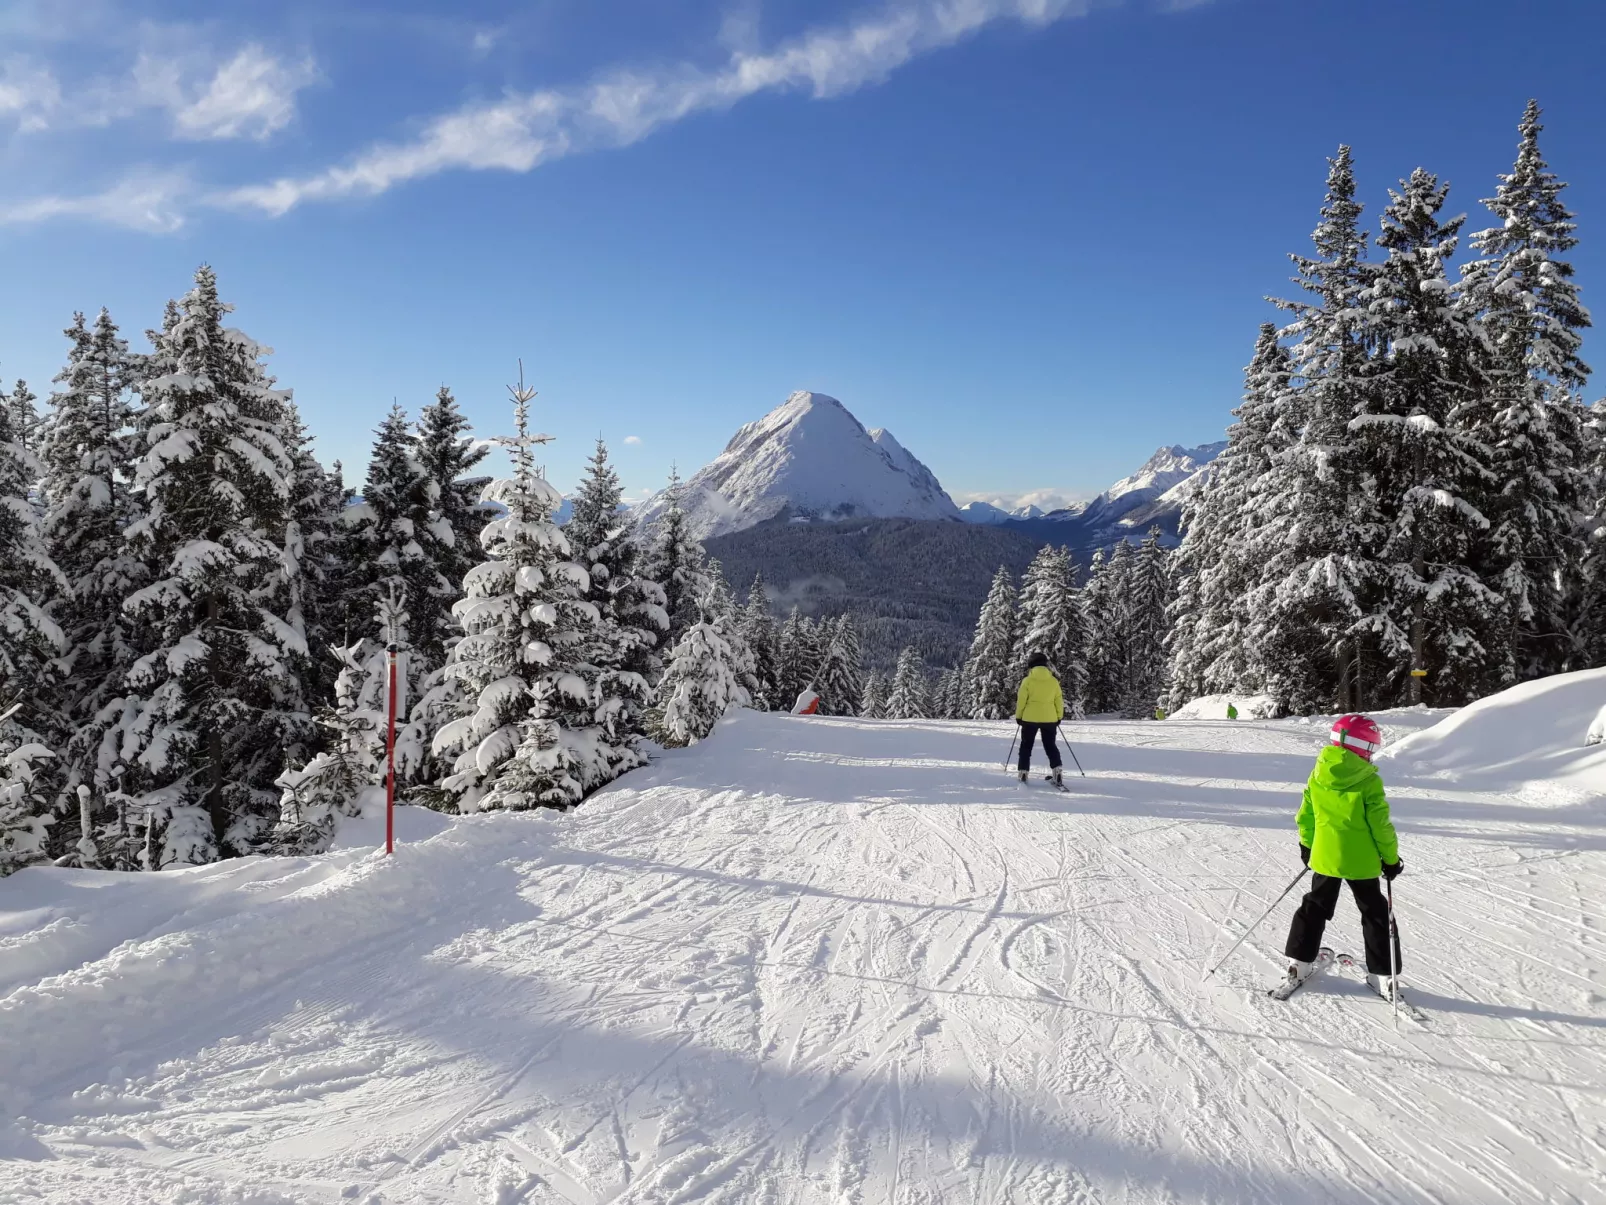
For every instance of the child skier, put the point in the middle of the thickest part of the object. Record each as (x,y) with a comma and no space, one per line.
(1345,835)
(1039,707)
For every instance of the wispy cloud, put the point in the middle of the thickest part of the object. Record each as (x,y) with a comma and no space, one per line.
(143,200)
(526,129)
(633,440)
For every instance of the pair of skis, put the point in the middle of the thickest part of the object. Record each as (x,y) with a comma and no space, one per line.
(1325,961)
(1055,783)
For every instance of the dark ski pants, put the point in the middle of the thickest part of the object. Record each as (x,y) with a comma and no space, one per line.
(1028,733)
(1316,909)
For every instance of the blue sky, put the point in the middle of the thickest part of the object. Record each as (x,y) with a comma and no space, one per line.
(1029,236)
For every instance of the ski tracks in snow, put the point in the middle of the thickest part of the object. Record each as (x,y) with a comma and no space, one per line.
(835,962)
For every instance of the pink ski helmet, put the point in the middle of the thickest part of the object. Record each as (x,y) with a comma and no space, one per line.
(1358,734)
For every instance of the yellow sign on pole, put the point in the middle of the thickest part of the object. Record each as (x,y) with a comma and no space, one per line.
(1419,673)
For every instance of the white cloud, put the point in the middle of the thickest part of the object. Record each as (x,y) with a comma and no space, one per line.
(523,130)
(252,95)
(1051,498)
(633,439)
(28,92)
(143,200)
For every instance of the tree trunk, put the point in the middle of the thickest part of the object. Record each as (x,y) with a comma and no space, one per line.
(1418,639)
(214,735)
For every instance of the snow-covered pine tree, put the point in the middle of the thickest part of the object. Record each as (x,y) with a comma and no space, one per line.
(1589,604)
(946,698)
(797,659)
(530,737)
(1426,607)
(1319,522)
(909,697)
(86,453)
(718,607)
(1052,623)
(1146,597)
(449,455)
(698,688)
(215,700)
(763,638)
(632,608)
(23,416)
(873,702)
(1105,600)
(1219,559)
(25,810)
(316,539)
(1522,290)
(678,563)
(991,663)
(399,540)
(841,678)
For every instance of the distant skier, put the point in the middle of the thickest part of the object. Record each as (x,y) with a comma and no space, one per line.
(1232,711)
(1039,708)
(1345,835)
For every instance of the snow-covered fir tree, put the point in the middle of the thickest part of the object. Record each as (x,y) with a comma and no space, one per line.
(1319,521)
(718,607)
(841,678)
(216,701)
(317,540)
(23,416)
(990,667)
(1219,559)
(873,701)
(26,815)
(400,540)
(909,697)
(678,563)
(1522,290)
(698,688)
(1425,606)
(531,736)
(799,658)
(449,454)
(1104,601)
(632,607)
(87,458)
(1052,623)
(947,701)
(1144,616)
(764,639)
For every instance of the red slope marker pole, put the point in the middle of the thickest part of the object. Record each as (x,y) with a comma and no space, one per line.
(390,757)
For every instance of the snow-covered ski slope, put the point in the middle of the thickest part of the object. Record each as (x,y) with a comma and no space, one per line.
(831,961)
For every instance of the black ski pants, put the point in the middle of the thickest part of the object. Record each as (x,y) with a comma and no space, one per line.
(1028,733)
(1316,909)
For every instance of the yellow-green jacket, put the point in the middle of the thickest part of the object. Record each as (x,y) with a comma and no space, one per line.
(1344,818)
(1040,700)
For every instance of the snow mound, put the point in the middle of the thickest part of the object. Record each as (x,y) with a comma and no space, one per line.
(1214,707)
(811,457)
(1529,741)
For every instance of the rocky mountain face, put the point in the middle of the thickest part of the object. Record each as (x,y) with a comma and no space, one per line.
(808,459)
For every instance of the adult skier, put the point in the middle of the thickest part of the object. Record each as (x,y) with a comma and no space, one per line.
(1346,836)
(1039,708)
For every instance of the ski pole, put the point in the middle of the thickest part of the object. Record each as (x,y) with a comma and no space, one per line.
(1072,752)
(1394,955)
(1302,873)
(1011,752)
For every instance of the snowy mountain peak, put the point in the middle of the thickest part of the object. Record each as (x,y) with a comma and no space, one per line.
(1168,467)
(811,457)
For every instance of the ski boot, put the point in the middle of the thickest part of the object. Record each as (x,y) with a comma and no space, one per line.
(1020,775)
(1058,775)
(1383,985)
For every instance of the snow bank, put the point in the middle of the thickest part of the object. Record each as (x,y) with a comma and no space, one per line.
(1214,707)
(1528,741)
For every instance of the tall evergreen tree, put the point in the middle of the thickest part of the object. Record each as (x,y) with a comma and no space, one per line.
(1145,621)
(1426,606)
(1219,559)
(631,606)
(23,417)
(992,653)
(1105,602)
(1318,523)
(909,697)
(763,638)
(399,541)
(677,563)
(449,455)
(1052,624)
(87,458)
(217,698)
(841,678)
(873,701)
(531,736)
(1523,292)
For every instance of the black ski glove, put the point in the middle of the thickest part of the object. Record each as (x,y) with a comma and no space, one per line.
(1304,854)
(1391,870)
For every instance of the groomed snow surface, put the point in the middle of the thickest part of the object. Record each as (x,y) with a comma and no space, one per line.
(817,960)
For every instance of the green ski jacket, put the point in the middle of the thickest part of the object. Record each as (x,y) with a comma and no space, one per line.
(1344,819)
